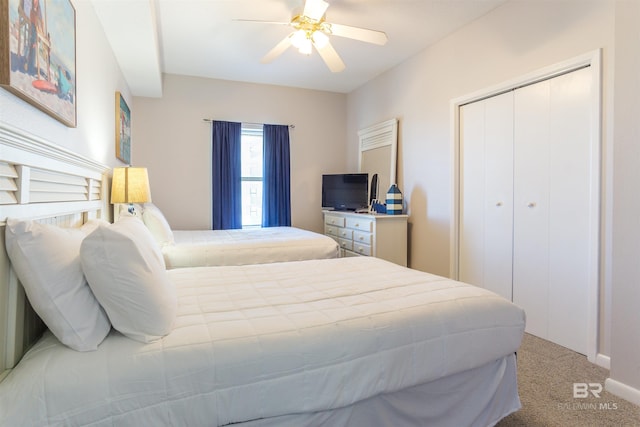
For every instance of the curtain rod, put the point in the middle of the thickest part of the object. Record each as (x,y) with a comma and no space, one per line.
(257,124)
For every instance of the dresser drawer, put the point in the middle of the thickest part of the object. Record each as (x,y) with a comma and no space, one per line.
(331,230)
(362,224)
(334,220)
(361,249)
(346,244)
(345,233)
(363,237)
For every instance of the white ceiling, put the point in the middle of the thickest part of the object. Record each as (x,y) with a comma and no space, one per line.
(203,38)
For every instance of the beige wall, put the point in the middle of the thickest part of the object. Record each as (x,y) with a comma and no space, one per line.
(171,139)
(625,333)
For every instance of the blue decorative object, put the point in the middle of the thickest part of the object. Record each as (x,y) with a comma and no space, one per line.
(394,200)
(378,207)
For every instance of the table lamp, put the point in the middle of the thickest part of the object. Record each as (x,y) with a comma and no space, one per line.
(130,185)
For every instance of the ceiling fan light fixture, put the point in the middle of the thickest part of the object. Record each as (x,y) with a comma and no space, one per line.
(299,38)
(320,39)
(310,29)
(305,48)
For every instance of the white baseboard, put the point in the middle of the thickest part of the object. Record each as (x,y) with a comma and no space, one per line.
(622,390)
(603,361)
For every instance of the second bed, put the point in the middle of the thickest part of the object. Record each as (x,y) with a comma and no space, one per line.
(199,248)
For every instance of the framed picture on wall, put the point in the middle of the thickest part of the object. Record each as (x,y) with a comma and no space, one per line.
(38,55)
(123,129)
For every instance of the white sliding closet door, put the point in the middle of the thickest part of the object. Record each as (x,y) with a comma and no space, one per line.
(531,206)
(486,202)
(525,197)
(552,207)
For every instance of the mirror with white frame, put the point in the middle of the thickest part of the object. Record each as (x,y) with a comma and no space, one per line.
(378,152)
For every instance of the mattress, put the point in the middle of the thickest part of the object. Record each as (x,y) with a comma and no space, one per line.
(194,248)
(258,342)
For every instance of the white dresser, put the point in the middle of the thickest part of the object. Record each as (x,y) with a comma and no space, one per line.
(382,236)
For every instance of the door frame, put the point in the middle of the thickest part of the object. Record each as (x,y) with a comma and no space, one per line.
(593,60)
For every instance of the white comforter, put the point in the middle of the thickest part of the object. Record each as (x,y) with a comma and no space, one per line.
(246,246)
(265,340)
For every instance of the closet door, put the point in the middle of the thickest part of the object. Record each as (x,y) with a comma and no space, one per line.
(551,207)
(486,194)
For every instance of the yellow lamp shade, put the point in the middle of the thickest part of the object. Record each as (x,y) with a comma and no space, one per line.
(130,185)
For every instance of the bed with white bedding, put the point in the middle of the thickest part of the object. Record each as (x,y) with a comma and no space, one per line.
(193,248)
(295,343)
(196,248)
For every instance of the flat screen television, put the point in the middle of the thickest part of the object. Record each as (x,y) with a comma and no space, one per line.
(346,191)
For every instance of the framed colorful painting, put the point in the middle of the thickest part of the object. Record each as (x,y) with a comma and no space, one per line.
(123,129)
(38,55)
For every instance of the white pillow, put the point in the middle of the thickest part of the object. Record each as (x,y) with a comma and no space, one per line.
(126,271)
(158,225)
(46,259)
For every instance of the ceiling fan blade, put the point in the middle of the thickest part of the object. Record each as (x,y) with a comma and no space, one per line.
(362,34)
(277,50)
(315,9)
(330,57)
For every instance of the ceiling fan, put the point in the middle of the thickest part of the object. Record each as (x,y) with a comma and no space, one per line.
(312,30)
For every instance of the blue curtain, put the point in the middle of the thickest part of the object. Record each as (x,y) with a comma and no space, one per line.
(276,191)
(226,194)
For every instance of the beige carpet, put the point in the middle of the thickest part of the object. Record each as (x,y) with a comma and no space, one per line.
(546,376)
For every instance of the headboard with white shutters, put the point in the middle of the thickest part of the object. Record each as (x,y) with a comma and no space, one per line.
(39,180)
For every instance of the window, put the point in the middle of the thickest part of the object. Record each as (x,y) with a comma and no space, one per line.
(251,175)
(250,171)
